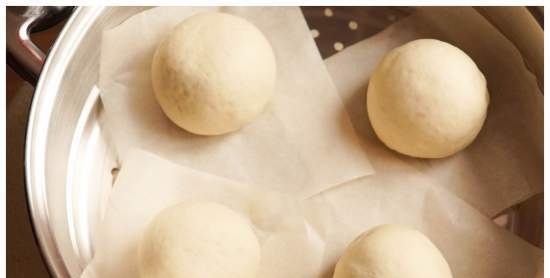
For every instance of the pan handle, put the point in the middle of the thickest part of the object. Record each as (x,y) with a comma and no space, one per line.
(22,54)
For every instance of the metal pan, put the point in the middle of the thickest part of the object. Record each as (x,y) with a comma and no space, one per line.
(69,162)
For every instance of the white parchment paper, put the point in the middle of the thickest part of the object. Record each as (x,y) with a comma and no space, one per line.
(471,243)
(147,184)
(306,238)
(302,144)
(504,165)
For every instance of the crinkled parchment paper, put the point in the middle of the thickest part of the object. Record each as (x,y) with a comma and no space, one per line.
(472,244)
(147,183)
(504,165)
(302,144)
(305,239)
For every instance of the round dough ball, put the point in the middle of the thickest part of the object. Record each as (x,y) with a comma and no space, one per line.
(427,99)
(214,73)
(392,251)
(199,240)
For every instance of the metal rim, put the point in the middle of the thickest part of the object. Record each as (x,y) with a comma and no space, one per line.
(37,127)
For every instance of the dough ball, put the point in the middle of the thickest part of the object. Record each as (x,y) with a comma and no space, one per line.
(199,240)
(214,73)
(427,99)
(392,251)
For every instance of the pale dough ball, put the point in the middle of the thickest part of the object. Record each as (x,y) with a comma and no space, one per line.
(427,99)
(392,251)
(214,73)
(199,240)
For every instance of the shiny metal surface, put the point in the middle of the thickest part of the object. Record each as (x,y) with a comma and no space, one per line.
(25,56)
(69,160)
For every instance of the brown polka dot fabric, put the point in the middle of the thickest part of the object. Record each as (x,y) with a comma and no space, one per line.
(335,28)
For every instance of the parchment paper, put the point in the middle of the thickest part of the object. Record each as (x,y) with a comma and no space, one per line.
(306,238)
(471,243)
(418,193)
(504,165)
(302,144)
(147,184)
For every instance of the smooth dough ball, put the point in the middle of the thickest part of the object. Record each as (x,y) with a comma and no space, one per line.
(427,99)
(199,240)
(214,73)
(392,251)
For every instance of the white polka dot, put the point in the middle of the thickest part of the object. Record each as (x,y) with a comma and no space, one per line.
(353,25)
(328,12)
(315,33)
(338,46)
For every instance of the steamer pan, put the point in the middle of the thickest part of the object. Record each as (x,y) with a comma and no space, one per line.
(70,164)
